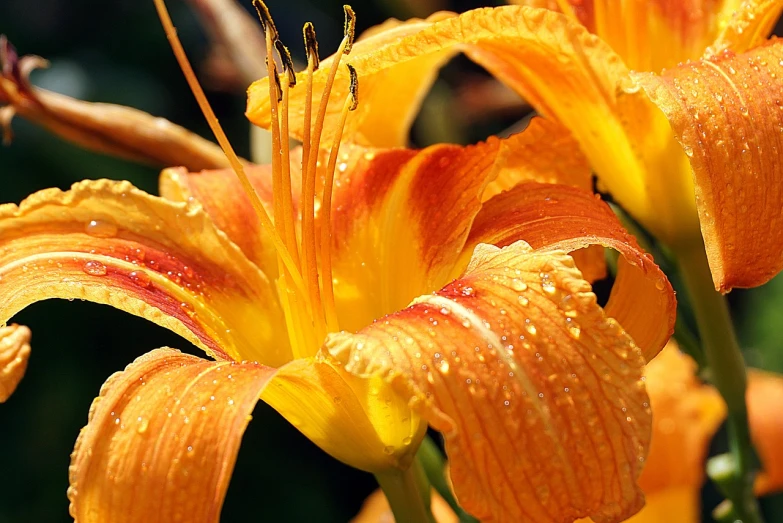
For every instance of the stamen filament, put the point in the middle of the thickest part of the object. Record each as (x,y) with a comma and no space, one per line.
(288,206)
(309,262)
(228,150)
(330,308)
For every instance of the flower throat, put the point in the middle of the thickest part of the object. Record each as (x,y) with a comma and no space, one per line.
(305,284)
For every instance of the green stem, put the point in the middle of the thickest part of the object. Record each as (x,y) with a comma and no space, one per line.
(726,369)
(408,493)
(434,466)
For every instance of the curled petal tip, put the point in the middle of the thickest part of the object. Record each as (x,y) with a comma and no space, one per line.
(14,353)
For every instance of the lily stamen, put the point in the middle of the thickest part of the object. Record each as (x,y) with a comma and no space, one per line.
(309,259)
(351,102)
(228,150)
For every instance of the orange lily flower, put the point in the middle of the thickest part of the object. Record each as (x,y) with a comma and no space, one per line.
(430,297)
(576,68)
(687,414)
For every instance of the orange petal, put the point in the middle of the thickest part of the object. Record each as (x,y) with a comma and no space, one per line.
(162,439)
(764,398)
(544,152)
(635,28)
(224,199)
(727,114)
(376,510)
(517,355)
(107,128)
(675,505)
(400,219)
(748,26)
(375,121)
(686,414)
(14,353)
(569,76)
(111,243)
(549,216)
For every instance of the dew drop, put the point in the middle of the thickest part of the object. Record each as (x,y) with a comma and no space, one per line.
(140,278)
(143,425)
(518,285)
(688,151)
(389,450)
(94,268)
(100,229)
(407,440)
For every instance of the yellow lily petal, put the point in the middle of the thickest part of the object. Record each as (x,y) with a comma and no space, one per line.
(727,113)
(550,216)
(376,510)
(569,76)
(162,439)
(106,128)
(375,121)
(517,355)
(360,422)
(111,243)
(14,353)
(748,26)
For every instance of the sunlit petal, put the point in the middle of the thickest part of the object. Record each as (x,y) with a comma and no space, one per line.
(514,356)
(728,114)
(748,26)
(376,121)
(361,422)
(14,353)
(559,217)
(162,439)
(111,243)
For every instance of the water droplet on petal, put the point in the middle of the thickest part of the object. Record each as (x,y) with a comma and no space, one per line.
(140,278)
(94,268)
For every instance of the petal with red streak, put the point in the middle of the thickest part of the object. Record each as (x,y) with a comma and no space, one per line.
(162,439)
(727,113)
(14,353)
(111,243)
(514,356)
(400,219)
(550,216)
(224,199)
(566,73)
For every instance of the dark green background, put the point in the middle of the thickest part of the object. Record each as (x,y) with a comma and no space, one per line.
(115,51)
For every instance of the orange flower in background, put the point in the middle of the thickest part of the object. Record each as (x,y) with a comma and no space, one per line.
(723,108)
(397,288)
(687,413)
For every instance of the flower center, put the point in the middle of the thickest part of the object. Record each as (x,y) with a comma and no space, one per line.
(305,283)
(310,307)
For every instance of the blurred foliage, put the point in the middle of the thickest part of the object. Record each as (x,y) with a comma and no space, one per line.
(116,52)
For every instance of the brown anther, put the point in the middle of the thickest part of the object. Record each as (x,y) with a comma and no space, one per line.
(288,63)
(354,87)
(278,87)
(267,24)
(349,30)
(311,45)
